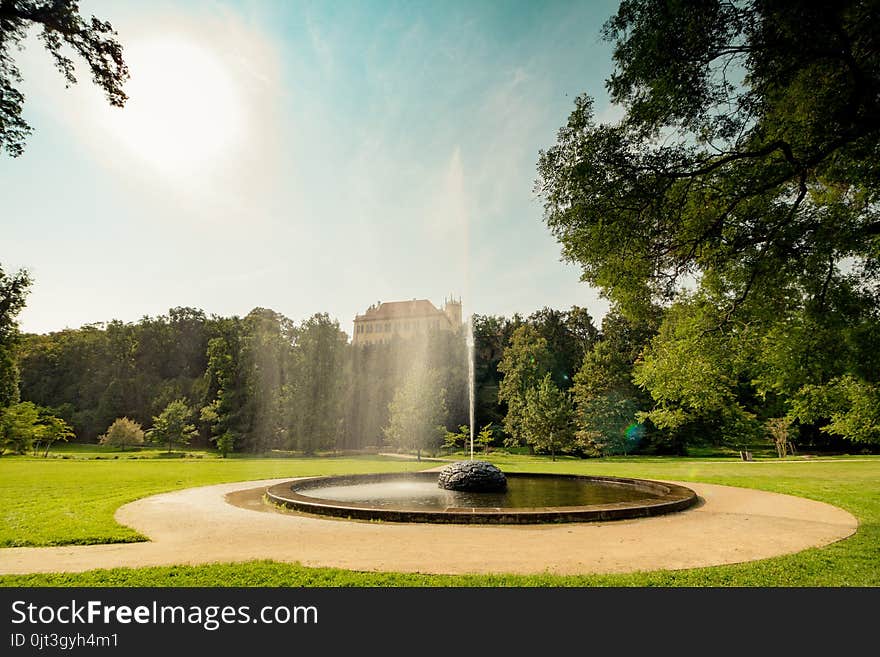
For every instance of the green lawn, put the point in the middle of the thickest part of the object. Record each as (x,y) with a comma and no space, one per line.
(62,502)
(52,502)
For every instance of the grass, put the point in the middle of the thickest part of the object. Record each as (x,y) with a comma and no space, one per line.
(61,502)
(72,502)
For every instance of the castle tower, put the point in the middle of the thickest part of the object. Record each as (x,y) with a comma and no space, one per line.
(452,308)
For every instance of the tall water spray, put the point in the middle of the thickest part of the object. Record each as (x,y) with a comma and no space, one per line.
(471,383)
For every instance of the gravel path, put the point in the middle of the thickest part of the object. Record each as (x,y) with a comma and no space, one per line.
(229,522)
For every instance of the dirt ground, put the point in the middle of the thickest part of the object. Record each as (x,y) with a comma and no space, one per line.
(229,522)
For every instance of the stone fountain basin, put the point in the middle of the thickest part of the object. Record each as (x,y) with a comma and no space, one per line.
(645,498)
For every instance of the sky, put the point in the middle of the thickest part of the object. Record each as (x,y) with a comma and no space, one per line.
(302,156)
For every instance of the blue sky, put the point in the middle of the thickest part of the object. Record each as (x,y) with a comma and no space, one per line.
(304,157)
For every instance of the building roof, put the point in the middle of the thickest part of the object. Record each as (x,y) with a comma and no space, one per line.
(401,309)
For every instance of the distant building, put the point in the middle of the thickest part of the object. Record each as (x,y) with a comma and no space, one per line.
(383,321)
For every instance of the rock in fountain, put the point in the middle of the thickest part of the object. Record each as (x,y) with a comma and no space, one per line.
(472,476)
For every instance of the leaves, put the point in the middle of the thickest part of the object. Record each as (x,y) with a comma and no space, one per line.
(526,361)
(547,417)
(62,26)
(717,177)
(122,433)
(172,426)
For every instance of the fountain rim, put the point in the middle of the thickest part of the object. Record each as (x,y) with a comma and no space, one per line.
(673,497)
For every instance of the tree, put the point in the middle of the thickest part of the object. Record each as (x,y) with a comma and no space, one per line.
(605,396)
(746,156)
(779,430)
(851,405)
(123,433)
(459,439)
(699,379)
(317,402)
(547,417)
(569,335)
(417,414)
(606,424)
(491,335)
(485,437)
(225,378)
(526,360)
(210,416)
(225,443)
(25,426)
(744,168)
(172,426)
(61,26)
(13,291)
(19,427)
(268,364)
(51,429)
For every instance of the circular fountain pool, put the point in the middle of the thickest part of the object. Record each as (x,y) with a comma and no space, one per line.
(529,498)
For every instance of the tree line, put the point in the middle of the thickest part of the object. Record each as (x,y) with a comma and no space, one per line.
(552,381)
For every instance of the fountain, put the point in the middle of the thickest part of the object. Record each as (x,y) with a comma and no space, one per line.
(472,476)
(527,498)
(478,492)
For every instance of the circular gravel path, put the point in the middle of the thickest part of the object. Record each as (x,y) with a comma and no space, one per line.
(229,522)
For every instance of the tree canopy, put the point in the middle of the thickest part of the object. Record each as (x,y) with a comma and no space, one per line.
(123,432)
(547,418)
(527,359)
(172,426)
(747,156)
(739,193)
(61,26)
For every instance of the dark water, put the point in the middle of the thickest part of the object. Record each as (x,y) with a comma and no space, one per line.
(521,492)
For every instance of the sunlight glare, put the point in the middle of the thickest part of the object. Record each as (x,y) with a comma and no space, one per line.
(184,112)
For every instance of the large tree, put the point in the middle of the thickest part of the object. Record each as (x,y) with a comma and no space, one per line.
(606,397)
(61,27)
(526,360)
(745,168)
(747,155)
(317,406)
(547,418)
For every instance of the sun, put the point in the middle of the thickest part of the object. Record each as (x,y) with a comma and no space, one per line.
(184,112)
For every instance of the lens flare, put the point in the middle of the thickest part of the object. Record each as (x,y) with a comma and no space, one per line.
(634,433)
